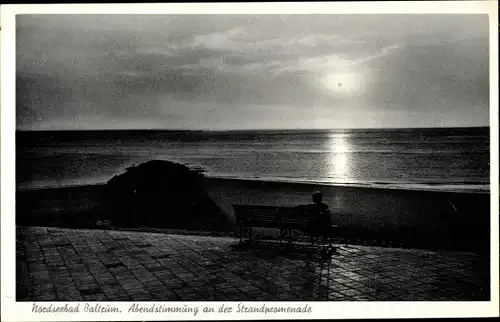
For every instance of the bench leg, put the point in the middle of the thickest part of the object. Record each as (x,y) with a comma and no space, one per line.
(241,234)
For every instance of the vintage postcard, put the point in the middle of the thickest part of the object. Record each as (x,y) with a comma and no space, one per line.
(242,161)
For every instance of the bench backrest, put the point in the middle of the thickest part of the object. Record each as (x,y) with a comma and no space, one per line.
(285,215)
(296,217)
(256,213)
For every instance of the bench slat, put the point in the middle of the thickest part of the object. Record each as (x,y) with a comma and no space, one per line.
(283,218)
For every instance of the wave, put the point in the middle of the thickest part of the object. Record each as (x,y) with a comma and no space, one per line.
(448,186)
(478,187)
(396,159)
(99,151)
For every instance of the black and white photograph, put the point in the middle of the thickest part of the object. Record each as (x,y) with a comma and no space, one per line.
(252,158)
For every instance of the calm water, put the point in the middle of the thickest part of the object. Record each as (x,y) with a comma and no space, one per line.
(445,159)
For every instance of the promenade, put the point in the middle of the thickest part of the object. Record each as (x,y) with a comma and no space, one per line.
(56,264)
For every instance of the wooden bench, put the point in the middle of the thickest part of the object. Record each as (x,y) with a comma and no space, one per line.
(286,219)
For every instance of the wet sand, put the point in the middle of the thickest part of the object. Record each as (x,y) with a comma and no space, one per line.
(421,219)
(426,219)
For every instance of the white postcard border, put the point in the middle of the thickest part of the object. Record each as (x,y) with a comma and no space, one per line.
(22,311)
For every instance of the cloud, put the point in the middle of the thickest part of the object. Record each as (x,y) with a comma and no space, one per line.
(382,53)
(332,63)
(224,40)
(111,67)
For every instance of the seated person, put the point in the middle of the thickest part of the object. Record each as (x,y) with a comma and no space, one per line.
(320,223)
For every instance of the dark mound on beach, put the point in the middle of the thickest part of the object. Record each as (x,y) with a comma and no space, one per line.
(155,194)
(162,194)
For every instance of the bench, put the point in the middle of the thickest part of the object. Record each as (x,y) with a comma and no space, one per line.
(286,219)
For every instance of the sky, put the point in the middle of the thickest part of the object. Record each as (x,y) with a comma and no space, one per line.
(224,72)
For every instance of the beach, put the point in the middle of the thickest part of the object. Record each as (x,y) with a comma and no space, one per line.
(428,219)
(403,218)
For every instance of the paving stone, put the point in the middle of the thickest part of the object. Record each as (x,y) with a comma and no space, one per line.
(75,265)
(45,297)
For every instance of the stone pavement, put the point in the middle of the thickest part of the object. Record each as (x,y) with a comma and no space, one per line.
(55,264)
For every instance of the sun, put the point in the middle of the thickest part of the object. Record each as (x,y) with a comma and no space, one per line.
(343,82)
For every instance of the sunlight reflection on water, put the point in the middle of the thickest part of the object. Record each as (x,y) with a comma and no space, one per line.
(339,157)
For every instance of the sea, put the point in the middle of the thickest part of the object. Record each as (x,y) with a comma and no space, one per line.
(449,159)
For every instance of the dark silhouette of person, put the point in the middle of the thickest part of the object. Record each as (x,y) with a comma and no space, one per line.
(320,217)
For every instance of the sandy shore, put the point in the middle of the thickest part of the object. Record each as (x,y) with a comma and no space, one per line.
(413,218)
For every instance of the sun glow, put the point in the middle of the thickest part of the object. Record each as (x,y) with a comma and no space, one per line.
(343,82)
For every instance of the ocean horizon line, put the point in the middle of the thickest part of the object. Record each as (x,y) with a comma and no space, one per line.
(258,130)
